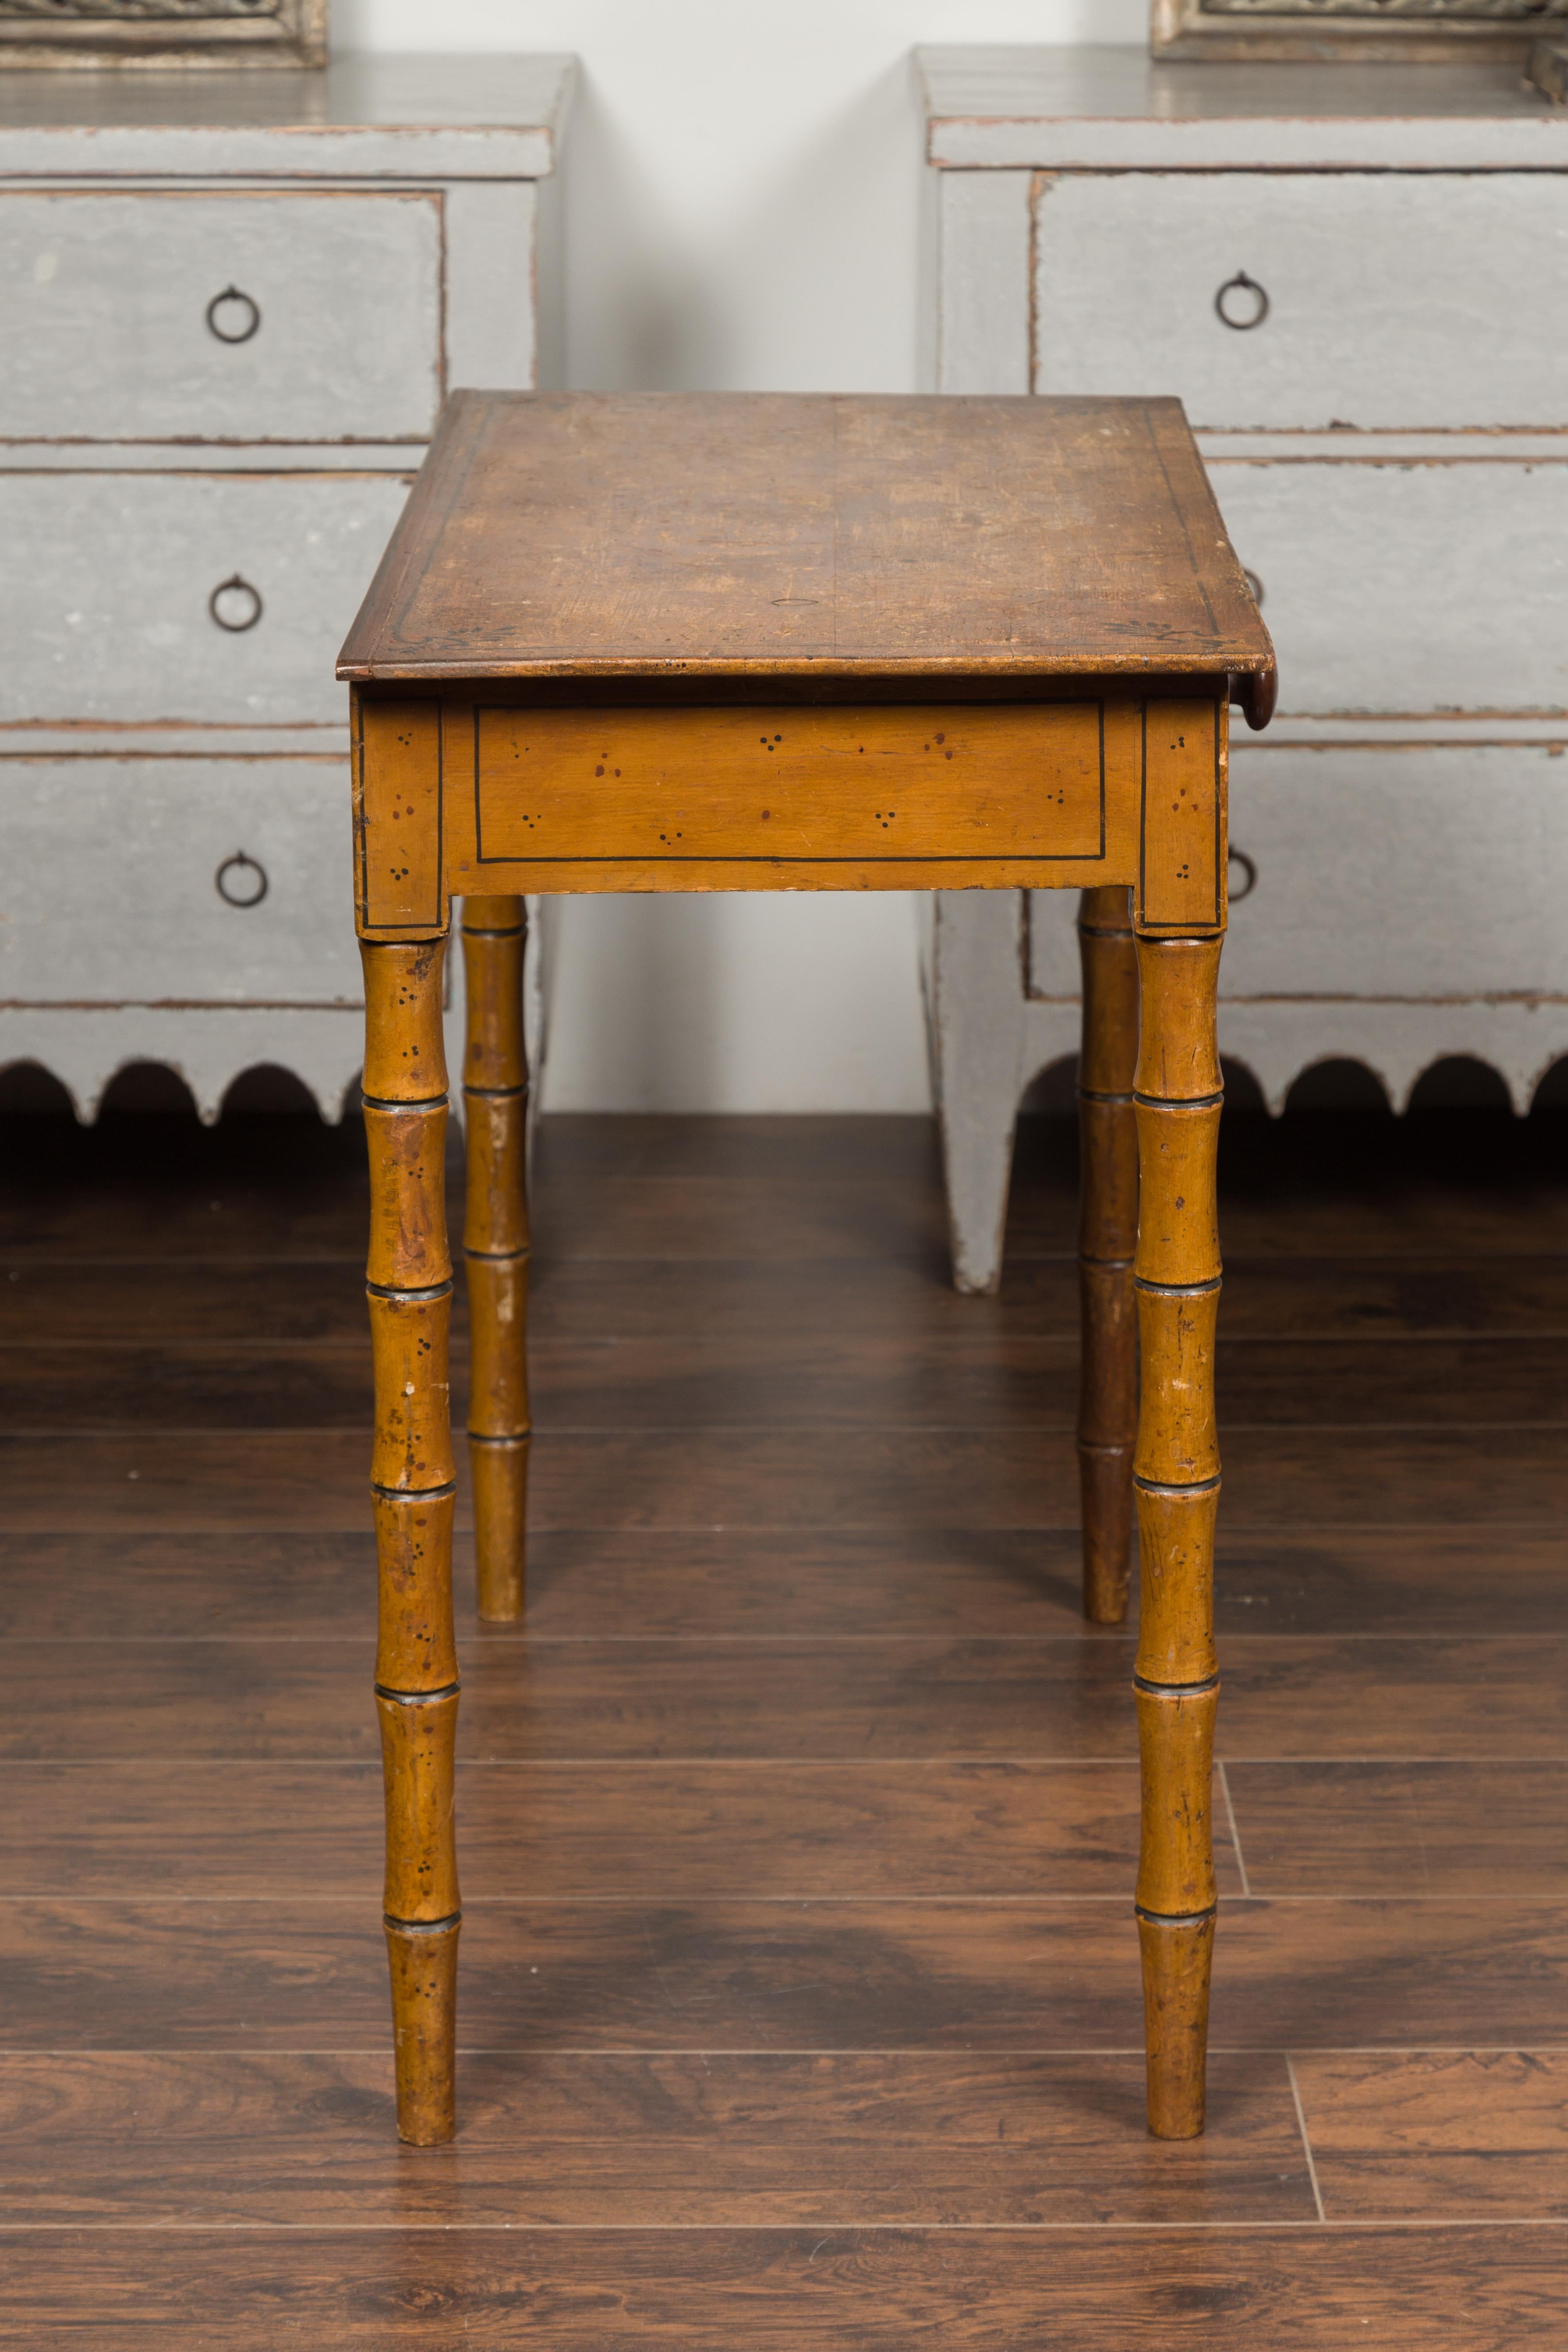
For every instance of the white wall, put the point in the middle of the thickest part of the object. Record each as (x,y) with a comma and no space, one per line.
(741,189)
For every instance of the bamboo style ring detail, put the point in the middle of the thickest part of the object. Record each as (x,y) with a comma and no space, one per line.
(1246,285)
(235,587)
(1249,877)
(249,893)
(221,301)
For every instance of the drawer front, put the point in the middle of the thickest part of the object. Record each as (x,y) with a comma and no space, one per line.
(841,786)
(1417,589)
(107,595)
(1422,873)
(1394,301)
(126,881)
(114,325)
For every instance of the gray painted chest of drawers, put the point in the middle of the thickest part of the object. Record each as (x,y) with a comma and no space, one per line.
(230,307)
(1356,279)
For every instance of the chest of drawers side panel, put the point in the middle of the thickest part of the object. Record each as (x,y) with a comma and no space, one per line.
(977,234)
(493,262)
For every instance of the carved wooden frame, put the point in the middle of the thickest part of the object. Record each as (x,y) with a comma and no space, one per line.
(162,33)
(1424,31)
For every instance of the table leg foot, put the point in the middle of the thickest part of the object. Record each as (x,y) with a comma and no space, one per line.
(497,1467)
(1107,1225)
(496,1247)
(1176,1954)
(1178,1100)
(424,1967)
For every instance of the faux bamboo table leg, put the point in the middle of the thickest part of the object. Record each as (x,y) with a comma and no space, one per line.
(1178,1100)
(1108,1232)
(409,1282)
(496,1246)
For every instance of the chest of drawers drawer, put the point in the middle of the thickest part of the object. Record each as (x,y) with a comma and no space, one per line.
(1443,864)
(1297,301)
(236,315)
(157,881)
(216,600)
(1410,589)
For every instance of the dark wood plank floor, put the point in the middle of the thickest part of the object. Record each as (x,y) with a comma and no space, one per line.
(800,2001)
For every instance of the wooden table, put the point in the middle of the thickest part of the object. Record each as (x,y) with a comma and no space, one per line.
(746,643)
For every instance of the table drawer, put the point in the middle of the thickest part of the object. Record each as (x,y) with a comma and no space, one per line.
(1410,588)
(110,889)
(1420,873)
(571,786)
(115,326)
(107,595)
(1385,301)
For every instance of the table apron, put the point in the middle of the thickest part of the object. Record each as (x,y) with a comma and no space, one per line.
(457,795)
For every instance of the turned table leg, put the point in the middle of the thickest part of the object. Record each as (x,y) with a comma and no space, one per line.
(496,1246)
(409,1283)
(1178,1099)
(1108,1228)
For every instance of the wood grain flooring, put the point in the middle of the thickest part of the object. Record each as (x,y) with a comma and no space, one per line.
(800,1999)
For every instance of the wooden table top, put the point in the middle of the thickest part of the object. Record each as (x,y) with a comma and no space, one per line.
(696,536)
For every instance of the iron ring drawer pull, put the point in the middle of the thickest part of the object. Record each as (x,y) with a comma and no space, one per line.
(1253,584)
(251,315)
(1248,874)
(252,610)
(241,882)
(1225,306)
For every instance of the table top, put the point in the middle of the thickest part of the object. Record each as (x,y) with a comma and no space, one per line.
(694,536)
(1099,109)
(979,80)
(365,117)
